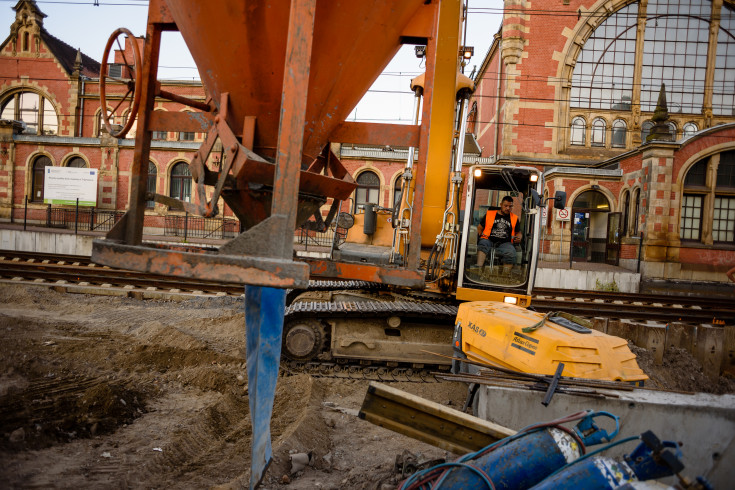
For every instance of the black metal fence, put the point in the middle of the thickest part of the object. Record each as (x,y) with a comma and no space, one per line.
(82,219)
(197,227)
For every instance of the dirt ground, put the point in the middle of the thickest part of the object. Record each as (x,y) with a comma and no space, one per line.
(119,393)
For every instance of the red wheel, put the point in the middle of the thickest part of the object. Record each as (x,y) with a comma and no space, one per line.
(133,71)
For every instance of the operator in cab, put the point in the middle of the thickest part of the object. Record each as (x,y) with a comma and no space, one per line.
(502,233)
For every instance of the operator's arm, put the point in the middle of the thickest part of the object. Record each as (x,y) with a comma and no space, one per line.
(479,232)
(731,274)
(517,235)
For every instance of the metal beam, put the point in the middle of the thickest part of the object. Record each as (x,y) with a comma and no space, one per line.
(427,421)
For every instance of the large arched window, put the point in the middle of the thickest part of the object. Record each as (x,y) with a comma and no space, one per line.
(151,185)
(599,127)
(675,48)
(181,182)
(35,111)
(76,162)
(39,173)
(368,189)
(579,127)
(723,92)
(619,133)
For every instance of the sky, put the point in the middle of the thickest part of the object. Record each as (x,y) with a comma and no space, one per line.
(83,25)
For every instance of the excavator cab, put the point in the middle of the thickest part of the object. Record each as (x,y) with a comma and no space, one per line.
(500,267)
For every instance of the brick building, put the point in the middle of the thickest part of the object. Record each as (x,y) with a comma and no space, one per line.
(50,116)
(571,87)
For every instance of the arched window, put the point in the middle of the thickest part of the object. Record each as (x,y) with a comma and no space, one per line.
(181,182)
(723,95)
(672,129)
(35,111)
(710,197)
(723,225)
(646,130)
(39,173)
(151,185)
(674,51)
(598,132)
(619,133)
(397,190)
(368,189)
(636,212)
(689,129)
(579,128)
(76,162)
(626,212)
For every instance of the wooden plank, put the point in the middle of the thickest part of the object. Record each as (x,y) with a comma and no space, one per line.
(427,421)
(728,350)
(709,349)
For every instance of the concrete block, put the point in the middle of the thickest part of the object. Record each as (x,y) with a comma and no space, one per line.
(709,350)
(728,349)
(672,269)
(25,241)
(7,239)
(681,335)
(653,338)
(66,244)
(653,270)
(45,242)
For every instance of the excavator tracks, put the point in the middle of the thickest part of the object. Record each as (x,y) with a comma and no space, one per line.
(389,339)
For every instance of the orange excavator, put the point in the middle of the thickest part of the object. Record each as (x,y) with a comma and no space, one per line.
(281,78)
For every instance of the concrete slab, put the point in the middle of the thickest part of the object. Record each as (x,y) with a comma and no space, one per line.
(703,423)
(25,241)
(7,239)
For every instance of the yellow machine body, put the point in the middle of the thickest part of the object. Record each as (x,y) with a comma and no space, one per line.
(492,333)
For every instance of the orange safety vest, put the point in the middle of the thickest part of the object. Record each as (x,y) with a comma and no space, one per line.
(490,218)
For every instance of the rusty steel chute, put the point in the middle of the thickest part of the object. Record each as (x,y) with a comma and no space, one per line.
(281,77)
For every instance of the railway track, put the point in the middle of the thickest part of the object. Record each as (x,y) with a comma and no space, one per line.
(68,272)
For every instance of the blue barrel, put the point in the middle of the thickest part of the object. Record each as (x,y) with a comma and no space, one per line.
(650,460)
(519,464)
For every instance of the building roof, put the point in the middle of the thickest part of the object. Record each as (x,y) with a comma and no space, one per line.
(67,55)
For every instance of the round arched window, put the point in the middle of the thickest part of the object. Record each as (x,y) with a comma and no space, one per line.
(368,189)
(77,162)
(181,182)
(36,113)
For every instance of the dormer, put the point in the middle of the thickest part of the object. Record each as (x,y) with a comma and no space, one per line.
(25,32)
